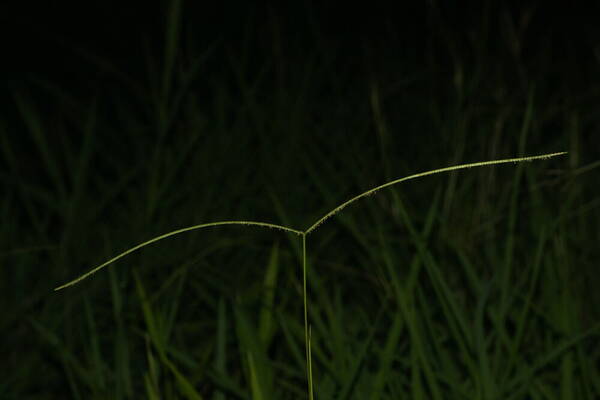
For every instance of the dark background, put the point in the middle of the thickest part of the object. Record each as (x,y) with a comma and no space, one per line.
(41,38)
(413,50)
(283,98)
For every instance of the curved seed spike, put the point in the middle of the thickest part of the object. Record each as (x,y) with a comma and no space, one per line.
(173,233)
(316,224)
(421,174)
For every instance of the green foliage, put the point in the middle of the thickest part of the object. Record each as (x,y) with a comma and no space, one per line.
(474,285)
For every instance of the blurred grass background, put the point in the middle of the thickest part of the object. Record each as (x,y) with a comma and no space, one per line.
(479,284)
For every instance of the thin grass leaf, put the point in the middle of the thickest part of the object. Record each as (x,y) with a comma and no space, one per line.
(512,218)
(422,332)
(220,362)
(515,344)
(455,317)
(150,319)
(291,334)
(124,382)
(254,353)
(359,361)
(389,352)
(489,389)
(173,28)
(71,365)
(97,361)
(266,325)
(517,384)
(158,340)
(255,385)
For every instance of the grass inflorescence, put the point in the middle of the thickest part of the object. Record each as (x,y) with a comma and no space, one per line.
(303,235)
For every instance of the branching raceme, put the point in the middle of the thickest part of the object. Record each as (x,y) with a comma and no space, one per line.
(303,235)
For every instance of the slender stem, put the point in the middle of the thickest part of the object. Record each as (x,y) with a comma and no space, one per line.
(306,335)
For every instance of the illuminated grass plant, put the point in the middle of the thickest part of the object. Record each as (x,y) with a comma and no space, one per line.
(303,235)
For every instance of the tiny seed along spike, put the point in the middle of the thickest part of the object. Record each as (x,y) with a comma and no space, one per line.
(317,223)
